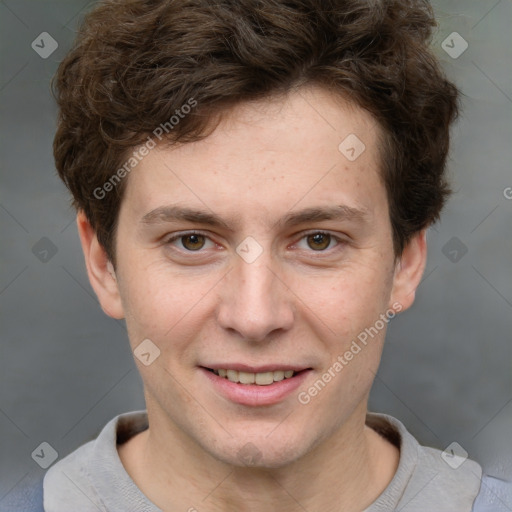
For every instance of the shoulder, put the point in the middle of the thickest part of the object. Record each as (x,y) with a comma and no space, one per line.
(90,477)
(495,495)
(427,478)
(27,496)
(67,484)
(442,481)
(452,474)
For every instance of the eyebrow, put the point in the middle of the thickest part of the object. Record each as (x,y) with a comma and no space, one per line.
(170,213)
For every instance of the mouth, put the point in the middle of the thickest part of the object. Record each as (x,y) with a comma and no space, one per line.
(258,378)
(263,386)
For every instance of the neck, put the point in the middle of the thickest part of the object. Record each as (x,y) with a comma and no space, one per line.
(174,472)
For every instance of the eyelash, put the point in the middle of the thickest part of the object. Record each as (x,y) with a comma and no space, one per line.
(340,241)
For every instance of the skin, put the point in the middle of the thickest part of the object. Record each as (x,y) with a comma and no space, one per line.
(294,304)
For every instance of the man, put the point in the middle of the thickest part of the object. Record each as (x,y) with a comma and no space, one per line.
(253,182)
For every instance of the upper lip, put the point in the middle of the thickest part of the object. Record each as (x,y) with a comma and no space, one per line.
(239,367)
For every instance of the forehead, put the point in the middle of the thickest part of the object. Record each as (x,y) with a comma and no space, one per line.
(308,146)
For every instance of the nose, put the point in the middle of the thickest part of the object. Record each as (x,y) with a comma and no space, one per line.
(255,302)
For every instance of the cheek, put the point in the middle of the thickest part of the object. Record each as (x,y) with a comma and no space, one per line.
(354,337)
(170,308)
(346,301)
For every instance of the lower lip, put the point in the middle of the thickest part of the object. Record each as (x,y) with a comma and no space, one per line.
(253,394)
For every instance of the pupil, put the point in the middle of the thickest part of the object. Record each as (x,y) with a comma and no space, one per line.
(193,242)
(320,240)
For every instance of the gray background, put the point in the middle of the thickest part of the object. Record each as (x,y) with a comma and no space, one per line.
(66,368)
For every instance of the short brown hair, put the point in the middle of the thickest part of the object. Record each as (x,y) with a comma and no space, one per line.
(135,62)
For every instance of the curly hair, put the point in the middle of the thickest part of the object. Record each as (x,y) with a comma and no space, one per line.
(135,63)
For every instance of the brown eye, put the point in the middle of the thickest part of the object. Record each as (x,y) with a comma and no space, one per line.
(319,241)
(193,242)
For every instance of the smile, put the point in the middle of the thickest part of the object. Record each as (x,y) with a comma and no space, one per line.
(255,388)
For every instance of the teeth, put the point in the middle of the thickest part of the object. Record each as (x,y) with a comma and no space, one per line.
(246,378)
(233,375)
(279,375)
(262,379)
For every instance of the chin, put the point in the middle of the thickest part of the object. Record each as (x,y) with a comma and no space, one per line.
(262,451)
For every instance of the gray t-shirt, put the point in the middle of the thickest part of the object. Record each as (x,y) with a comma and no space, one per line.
(93,478)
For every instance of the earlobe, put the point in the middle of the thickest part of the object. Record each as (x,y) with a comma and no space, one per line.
(409,270)
(99,269)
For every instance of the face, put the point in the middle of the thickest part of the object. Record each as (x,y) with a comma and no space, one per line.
(260,249)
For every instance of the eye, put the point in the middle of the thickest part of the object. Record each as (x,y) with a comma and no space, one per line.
(191,242)
(320,241)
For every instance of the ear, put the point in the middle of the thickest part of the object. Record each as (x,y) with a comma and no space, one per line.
(408,271)
(99,269)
